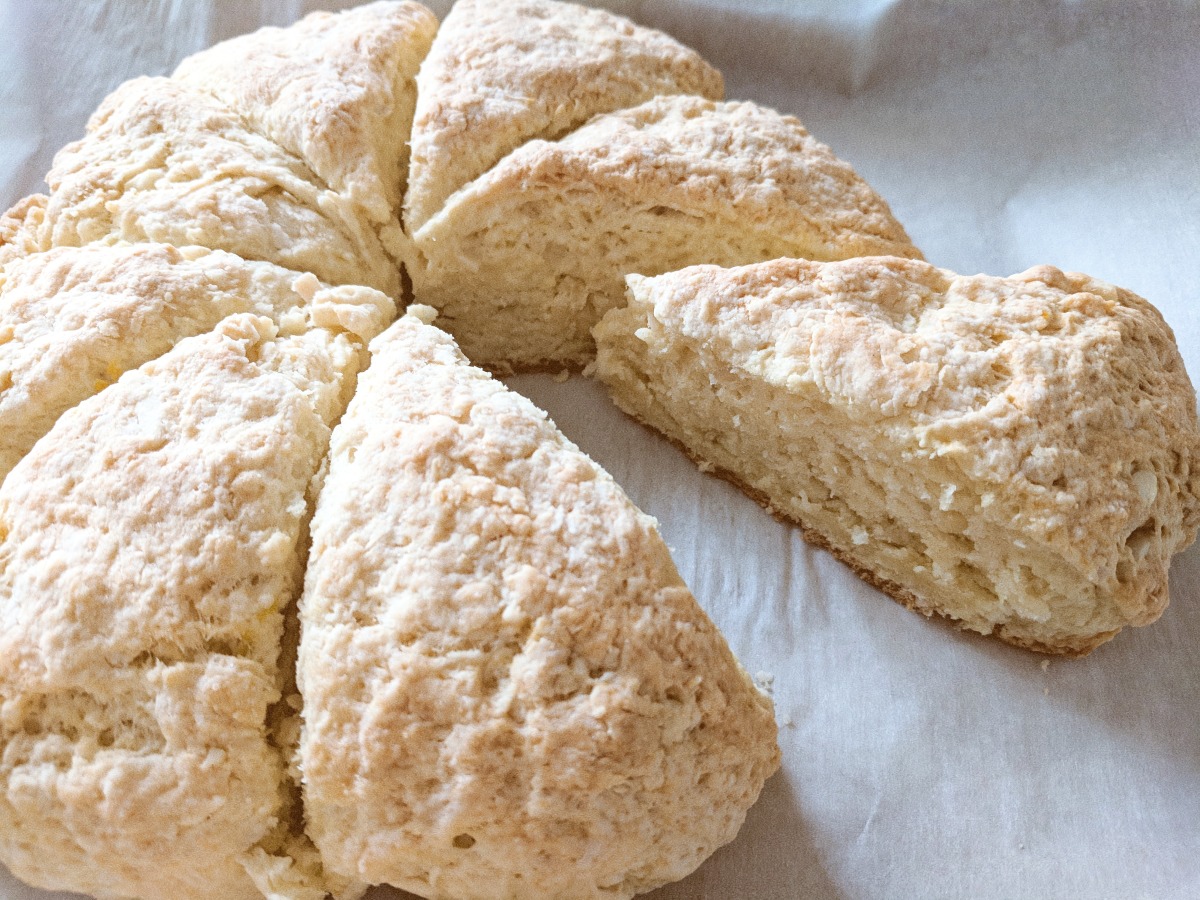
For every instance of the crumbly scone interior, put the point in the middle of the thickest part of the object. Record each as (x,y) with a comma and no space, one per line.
(508,690)
(1000,553)
(524,261)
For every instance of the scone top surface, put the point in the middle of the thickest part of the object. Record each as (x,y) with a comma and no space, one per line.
(168,162)
(335,89)
(1048,414)
(151,543)
(501,74)
(509,692)
(74,319)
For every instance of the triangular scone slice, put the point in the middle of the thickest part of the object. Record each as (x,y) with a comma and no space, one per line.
(508,690)
(74,319)
(152,542)
(165,162)
(524,261)
(501,74)
(336,89)
(1019,454)
(20,228)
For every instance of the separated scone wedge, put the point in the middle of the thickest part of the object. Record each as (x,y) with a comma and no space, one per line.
(501,74)
(335,89)
(166,162)
(508,690)
(74,319)
(1018,454)
(151,544)
(524,260)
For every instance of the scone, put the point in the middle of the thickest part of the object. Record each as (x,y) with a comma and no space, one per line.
(1018,454)
(501,74)
(166,162)
(335,89)
(152,542)
(508,690)
(523,261)
(74,319)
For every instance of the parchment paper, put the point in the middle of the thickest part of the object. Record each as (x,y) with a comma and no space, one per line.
(919,762)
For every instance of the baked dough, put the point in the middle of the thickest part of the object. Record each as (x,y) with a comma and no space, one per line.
(336,90)
(522,262)
(501,74)
(1017,454)
(165,162)
(20,228)
(151,544)
(74,319)
(508,690)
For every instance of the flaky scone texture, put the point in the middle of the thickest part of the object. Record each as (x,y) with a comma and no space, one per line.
(74,319)
(151,544)
(1018,454)
(508,690)
(501,74)
(526,259)
(335,89)
(20,228)
(166,162)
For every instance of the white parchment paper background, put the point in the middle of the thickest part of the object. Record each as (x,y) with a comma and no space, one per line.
(918,762)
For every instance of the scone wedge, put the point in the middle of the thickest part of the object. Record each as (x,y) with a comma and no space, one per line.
(74,319)
(166,162)
(501,74)
(508,690)
(335,89)
(151,545)
(524,260)
(1018,454)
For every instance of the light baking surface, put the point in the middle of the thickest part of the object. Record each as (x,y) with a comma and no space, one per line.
(918,761)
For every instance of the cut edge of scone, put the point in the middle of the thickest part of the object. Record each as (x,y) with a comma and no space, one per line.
(502,74)
(963,443)
(523,261)
(146,722)
(508,690)
(336,89)
(74,319)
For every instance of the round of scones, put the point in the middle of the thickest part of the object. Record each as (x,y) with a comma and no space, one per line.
(297,598)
